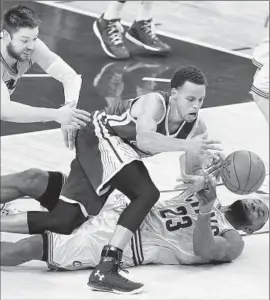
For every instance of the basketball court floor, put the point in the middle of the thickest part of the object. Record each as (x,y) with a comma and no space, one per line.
(228,111)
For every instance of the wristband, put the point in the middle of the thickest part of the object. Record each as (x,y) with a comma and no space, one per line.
(205,214)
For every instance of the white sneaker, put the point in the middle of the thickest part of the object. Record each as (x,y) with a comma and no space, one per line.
(9,209)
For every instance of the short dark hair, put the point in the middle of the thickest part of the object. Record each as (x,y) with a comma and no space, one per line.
(19,16)
(188,73)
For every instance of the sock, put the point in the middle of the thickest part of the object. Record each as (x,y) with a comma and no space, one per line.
(145,10)
(121,237)
(113,10)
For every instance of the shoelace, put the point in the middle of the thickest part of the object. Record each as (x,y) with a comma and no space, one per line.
(115,31)
(149,29)
(120,268)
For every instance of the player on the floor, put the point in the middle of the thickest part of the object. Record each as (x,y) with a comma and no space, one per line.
(20,49)
(260,86)
(108,157)
(187,229)
(110,31)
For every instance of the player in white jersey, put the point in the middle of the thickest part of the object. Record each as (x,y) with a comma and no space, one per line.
(187,229)
(260,86)
(20,49)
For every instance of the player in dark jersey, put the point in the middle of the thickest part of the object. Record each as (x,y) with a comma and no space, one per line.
(108,157)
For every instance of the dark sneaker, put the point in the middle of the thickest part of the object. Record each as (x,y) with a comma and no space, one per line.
(142,34)
(106,277)
(110,34)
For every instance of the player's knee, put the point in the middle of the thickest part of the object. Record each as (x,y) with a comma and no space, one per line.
(32,179)
(151,194)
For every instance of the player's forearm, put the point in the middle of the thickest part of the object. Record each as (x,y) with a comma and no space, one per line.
(155,142)
(203,239)
(72,88)
(21,113)
(71,81)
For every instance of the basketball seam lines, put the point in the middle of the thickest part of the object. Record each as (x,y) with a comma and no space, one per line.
(224,179)
(236,173)
(249,170)
(256,181)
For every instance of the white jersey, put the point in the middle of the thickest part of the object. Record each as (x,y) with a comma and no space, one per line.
(165,237)
(11,76)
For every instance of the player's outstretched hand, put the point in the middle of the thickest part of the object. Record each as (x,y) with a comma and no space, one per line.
(203,146)
(70,115)
(69,135)
(207,195)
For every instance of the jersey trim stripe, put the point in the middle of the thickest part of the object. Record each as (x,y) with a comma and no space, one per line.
(136,247)
(259,92)
(256,63)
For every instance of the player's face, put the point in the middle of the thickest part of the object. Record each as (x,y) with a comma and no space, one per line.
(22,43)
(189,100)
(257,214)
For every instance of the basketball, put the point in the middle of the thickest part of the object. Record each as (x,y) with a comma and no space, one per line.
(243,172)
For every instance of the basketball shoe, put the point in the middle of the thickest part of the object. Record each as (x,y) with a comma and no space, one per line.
(142,33)
(106,277)
(110,34)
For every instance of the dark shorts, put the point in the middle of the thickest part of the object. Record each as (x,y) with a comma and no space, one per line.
(99,157)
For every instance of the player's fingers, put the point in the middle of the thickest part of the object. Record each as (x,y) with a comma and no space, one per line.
(75,125)
(74,133)
(79,122)
(83,112)
(65,137)
(212,147)
(211,142)
(70,140)
(82,118)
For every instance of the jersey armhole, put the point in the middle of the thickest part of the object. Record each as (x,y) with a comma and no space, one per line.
(161,98)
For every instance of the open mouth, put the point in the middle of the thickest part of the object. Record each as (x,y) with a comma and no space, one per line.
(193,114)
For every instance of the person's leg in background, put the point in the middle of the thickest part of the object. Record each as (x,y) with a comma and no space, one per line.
(110,32)
(142,32)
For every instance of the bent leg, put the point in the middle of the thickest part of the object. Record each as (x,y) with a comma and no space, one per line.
(64,218)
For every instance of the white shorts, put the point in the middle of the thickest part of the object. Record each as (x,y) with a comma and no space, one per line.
(260,86)
(82,248)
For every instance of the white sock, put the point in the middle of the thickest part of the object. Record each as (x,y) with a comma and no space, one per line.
(121,237)
(113,10)
(145,11)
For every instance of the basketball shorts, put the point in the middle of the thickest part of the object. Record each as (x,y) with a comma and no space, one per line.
(260,86)
(100,155)
(82,248)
